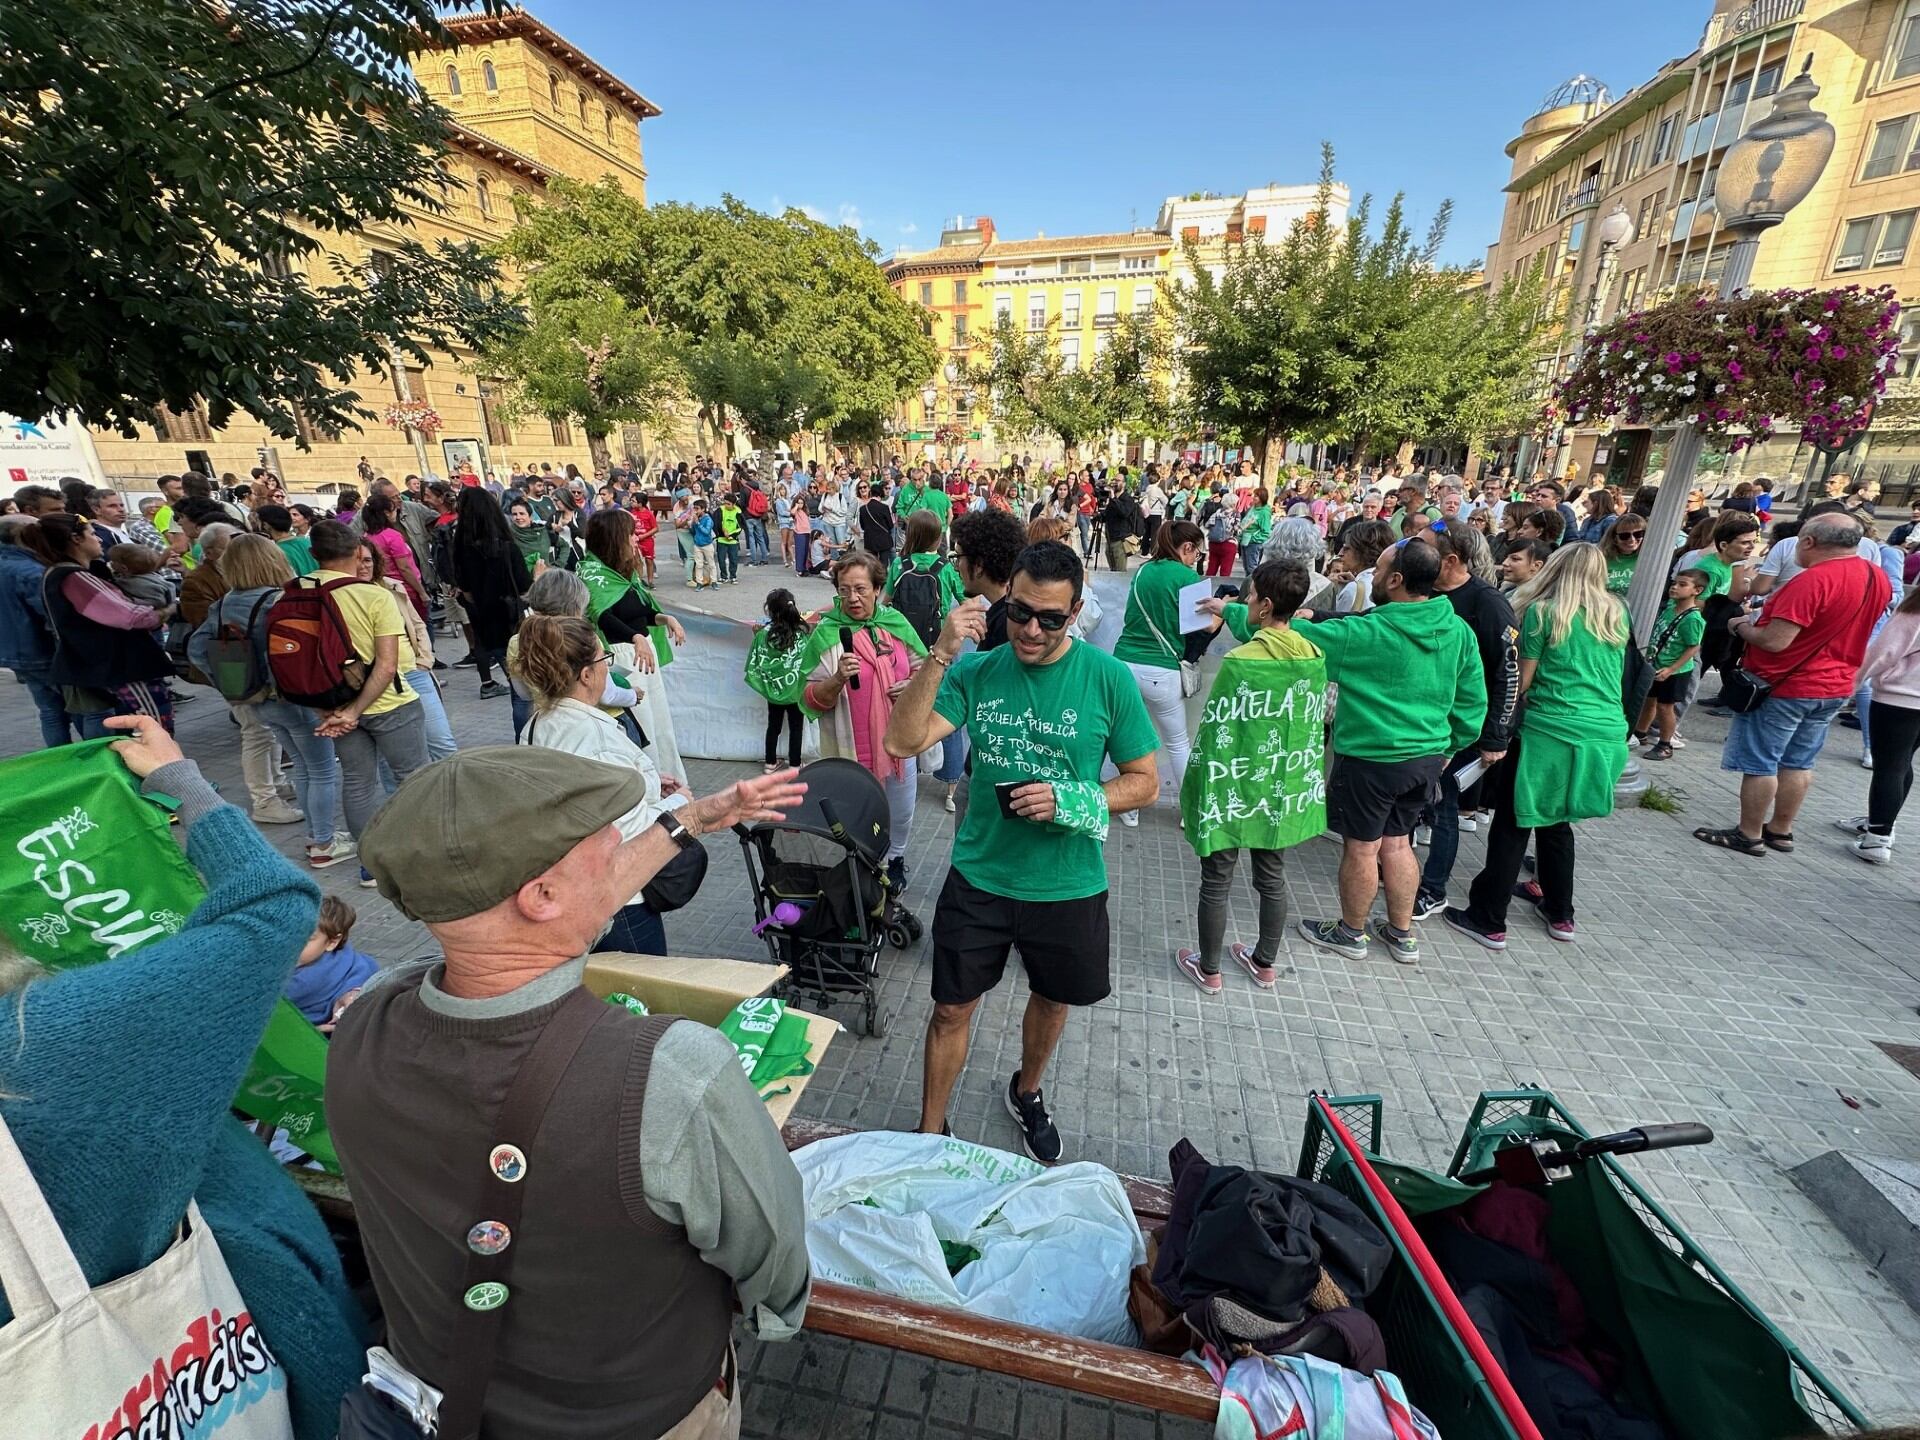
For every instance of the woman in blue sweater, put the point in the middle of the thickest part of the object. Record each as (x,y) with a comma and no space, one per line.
(116,1080)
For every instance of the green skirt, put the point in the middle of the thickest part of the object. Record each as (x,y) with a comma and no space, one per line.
(1559,781)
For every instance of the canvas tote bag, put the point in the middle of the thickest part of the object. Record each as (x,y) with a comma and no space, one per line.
(174,1337)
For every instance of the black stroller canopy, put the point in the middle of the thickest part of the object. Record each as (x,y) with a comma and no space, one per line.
(855,798)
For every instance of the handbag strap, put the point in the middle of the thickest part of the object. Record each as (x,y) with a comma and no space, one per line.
(39,1272)
(1133,598)
(1813,652)
(476,1330)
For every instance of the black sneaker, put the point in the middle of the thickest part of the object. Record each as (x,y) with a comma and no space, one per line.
(897,874)
(492,690)
(1426,906)
(1036,1125)
(467,659)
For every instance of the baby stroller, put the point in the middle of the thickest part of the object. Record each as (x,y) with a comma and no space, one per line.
(827,861)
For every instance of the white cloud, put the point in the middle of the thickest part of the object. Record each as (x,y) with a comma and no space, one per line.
(909,228)
(846,213)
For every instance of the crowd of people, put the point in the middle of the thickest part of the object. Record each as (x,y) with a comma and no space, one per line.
(1412,657)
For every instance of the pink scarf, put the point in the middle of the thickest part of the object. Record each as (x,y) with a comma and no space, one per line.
(882,671)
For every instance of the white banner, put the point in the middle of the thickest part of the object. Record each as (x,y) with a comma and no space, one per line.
(45,452)
(716,716)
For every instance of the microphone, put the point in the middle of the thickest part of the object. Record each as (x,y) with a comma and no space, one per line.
(846,644)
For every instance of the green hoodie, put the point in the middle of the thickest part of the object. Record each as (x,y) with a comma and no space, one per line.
(1411,683)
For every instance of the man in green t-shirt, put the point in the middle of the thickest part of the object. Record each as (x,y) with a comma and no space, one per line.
(1413,694)
(1029,868)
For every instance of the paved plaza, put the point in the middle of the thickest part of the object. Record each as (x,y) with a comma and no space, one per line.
(1746,993)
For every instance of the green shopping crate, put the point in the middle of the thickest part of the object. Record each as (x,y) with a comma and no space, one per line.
(1696,1351)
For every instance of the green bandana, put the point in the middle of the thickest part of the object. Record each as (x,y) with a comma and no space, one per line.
(1257,778)
(826,632)
(605,586)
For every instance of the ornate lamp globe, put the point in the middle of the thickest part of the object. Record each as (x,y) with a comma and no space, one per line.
(928,394)
(1616,230)
(1773,167)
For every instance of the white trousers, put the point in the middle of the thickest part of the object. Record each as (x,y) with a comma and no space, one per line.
(1168,709)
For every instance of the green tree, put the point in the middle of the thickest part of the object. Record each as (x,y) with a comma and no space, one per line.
(772,394)
(589,356)
(166,170)
(792,288)
(1338,332)
(1030,391)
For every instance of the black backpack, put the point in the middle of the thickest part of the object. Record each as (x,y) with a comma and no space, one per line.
(916,595)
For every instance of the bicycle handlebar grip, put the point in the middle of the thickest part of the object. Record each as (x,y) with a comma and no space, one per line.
(1668,1137)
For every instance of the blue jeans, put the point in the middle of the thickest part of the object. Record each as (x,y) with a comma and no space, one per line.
(1780,735)
(802,551)
(522,711)
(636,929)
(729,558)
(953,758)
(1444,848)
(440,741)
(56,726)
(756,540)
(316,766)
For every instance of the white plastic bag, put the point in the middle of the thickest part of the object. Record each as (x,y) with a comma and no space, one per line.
(1055,1245)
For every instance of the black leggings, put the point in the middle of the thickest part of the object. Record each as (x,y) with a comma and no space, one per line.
(1896,734)
(1507,845)
(795,723)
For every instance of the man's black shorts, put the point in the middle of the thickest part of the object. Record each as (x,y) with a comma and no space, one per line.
(1367,799)
(1063,944)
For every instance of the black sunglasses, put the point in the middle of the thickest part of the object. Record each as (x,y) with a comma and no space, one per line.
(1049,620)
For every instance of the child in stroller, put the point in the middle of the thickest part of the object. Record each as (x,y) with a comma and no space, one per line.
(827,861)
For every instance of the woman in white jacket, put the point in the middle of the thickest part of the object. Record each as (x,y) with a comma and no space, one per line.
(1892,670)
(564,663)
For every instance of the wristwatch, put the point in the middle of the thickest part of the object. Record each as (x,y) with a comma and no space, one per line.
(669,821)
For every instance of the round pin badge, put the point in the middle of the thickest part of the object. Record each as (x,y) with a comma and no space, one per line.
(489,1237)
(487,1295)
(508,1162)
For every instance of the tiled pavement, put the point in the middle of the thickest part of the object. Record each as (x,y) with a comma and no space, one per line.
(1705,985)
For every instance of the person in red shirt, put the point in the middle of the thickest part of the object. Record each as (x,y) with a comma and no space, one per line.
(1807,643)
(645,524)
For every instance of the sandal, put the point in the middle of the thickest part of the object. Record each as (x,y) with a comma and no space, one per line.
(1776,840)
(1730,839)
(1662,751)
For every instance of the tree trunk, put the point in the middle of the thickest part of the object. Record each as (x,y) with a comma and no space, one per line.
(602,456)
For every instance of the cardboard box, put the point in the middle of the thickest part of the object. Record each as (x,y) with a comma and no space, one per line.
(705,990)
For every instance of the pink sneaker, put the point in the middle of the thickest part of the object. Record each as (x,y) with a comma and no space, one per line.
(1263,975)
(1561,930)
(1188,963)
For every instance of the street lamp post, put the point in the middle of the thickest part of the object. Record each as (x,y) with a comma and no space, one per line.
(1612,233)
(1774,166)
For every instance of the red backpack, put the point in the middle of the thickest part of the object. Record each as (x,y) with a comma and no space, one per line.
(308,648)
(756,502)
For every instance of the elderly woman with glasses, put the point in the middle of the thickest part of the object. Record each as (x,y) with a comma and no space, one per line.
(859,658)
(1621,546)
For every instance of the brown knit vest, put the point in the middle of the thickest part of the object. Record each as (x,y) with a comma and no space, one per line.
(615,1327)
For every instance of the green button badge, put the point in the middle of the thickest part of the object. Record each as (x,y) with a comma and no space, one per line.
(487,1295)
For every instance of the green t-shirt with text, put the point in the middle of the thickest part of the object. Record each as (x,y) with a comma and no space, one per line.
(1039,722)
(1620,573)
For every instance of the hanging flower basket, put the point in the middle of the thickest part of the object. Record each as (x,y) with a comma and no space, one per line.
(950,434)
(413,415)
(1737,368)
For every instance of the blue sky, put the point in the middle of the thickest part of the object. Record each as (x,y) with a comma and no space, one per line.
(1070,117)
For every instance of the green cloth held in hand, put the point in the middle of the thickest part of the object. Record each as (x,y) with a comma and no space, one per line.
(1081,807)
(632,1002)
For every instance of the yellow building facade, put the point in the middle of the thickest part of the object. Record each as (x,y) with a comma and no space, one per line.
(527,106)
(1652,155)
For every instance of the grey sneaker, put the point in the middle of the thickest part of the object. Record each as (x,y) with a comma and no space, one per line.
(1326,934)
(1406,951)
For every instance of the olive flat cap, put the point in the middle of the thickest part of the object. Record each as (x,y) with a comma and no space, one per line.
(466,832)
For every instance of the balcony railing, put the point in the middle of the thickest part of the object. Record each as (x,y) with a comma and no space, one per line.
(1585,198)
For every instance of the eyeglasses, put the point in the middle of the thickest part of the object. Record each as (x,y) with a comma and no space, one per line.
(1048,620)
(605,657)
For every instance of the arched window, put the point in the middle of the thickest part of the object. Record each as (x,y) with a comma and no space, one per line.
(491,80)
(485,192)
(453,80)
(606,122)
(553,90)
(580,103)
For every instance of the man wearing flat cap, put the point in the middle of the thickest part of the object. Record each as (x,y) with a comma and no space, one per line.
(648,1191)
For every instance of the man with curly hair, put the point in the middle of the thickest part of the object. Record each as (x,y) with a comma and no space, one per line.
(985,545)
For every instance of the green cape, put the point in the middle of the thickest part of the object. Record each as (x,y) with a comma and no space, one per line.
(1257,778)
(778,675)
